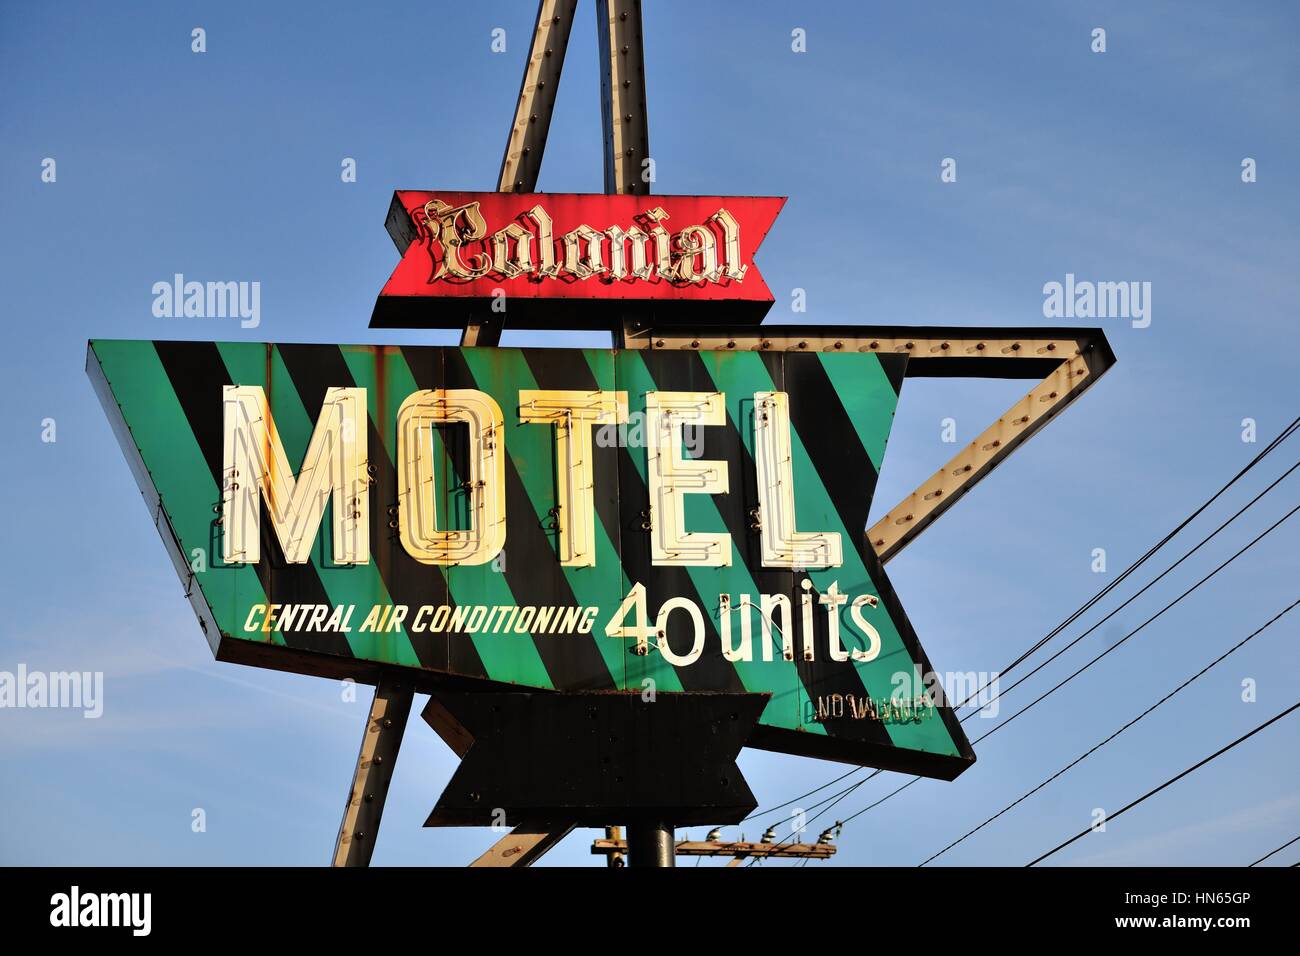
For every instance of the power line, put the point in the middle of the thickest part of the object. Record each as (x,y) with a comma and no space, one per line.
(1133,597)
(1172,780)
(1123,639)
(1276,441)
(881,800)
(1103,743)
(844,793)
(1286,433)
(832,797)
(1131,633)
(1283,436)
(1278,850)
(782,806)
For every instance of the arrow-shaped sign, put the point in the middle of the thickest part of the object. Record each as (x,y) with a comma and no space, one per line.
(587,758)
(537,256)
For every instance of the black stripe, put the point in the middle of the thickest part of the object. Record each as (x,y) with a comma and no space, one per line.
(895,369)
(678,373)
(533,571)
(198,374)
(818,416)
(426,367)
(313,369)
(568,369)
(820,676)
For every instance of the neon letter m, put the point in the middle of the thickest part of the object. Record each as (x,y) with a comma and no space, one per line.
(254,467)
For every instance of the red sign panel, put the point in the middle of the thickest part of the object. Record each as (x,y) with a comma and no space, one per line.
(542,258)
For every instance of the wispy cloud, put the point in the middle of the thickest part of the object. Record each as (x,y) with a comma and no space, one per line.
(1162,848)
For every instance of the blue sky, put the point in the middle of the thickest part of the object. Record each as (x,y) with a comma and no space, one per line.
(1123,165)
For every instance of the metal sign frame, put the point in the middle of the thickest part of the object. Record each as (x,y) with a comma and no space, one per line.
(1064,363)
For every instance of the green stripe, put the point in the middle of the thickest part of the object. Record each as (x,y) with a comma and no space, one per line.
(867,396)
(778,676)
(814,511)
(505,373)
(509,658)
(359,585)
(180,475)
(608,372)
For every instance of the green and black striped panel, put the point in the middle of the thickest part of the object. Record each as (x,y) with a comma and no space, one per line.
(165,400)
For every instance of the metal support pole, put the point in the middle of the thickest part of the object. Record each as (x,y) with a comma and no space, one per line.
(625,120)
(614,859)
(481,332)
(622,96)
(522,160)
(523,845)
(537,91)
(379,746)
(651,844)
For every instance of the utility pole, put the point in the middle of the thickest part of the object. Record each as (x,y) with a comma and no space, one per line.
(613,847)
(614,858)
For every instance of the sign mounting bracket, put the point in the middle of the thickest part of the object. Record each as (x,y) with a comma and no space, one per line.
(624,120)
(627,147)
(1064,362)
